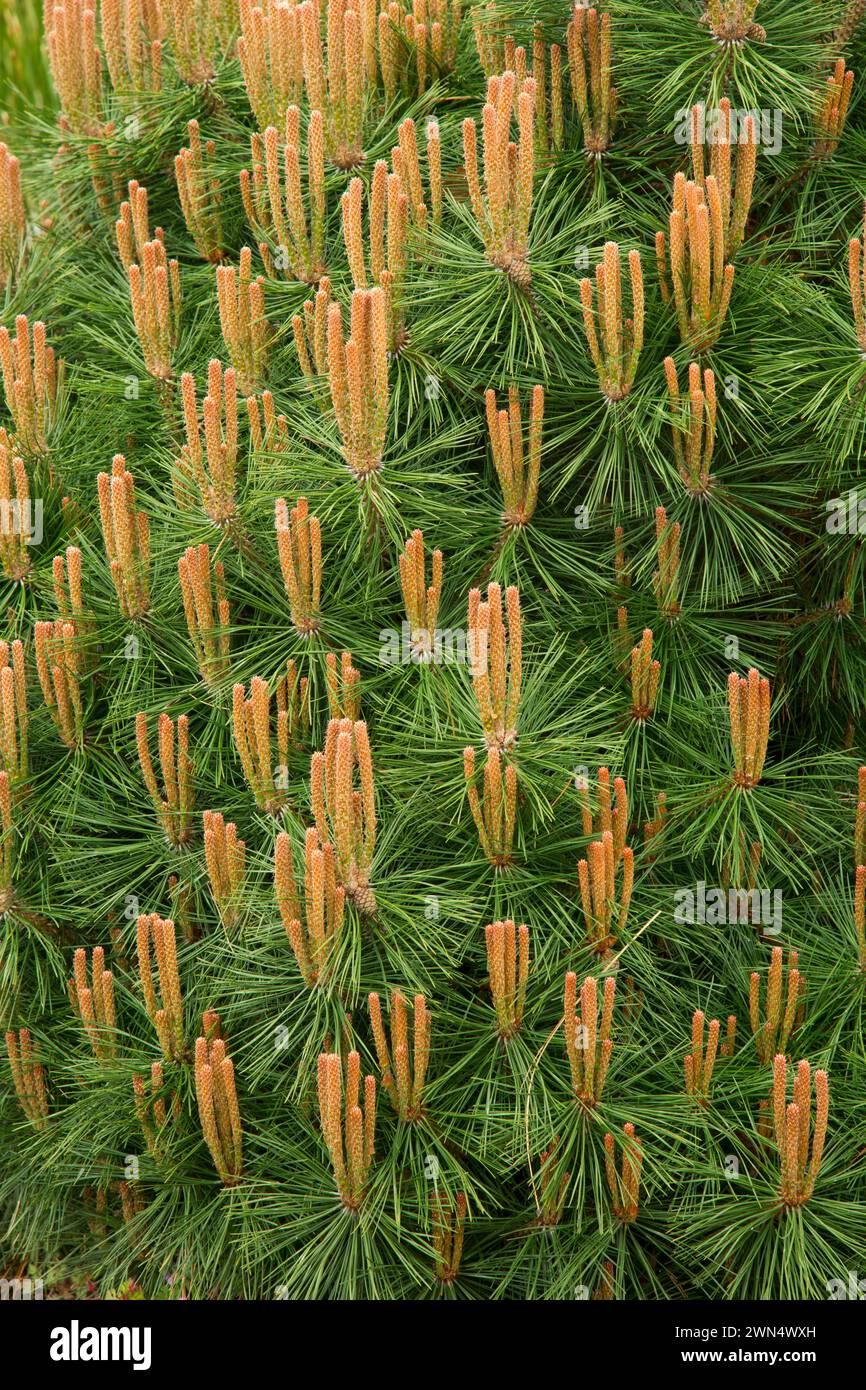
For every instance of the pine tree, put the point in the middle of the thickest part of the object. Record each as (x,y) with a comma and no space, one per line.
(433,672)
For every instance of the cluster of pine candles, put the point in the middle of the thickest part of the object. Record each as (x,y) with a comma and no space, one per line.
(274,905)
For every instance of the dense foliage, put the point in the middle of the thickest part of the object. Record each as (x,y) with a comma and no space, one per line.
(679,503)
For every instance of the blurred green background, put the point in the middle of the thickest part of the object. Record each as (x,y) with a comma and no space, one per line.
(24,81)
